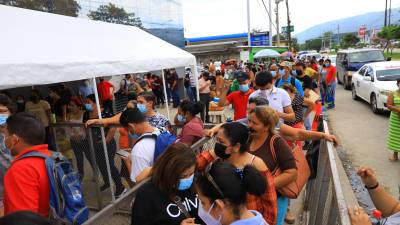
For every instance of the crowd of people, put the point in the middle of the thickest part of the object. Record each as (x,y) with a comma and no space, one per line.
(240,180)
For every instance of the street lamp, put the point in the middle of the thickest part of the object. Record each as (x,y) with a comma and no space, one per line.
(278,39)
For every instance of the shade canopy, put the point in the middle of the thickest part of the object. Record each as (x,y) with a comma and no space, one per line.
(42,48)
(267,53)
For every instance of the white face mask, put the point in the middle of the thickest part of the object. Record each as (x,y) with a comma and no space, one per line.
(206,216)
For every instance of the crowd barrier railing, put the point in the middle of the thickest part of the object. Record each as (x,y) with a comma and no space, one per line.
(329,195)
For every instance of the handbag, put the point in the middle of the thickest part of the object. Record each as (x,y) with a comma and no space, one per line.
(293,189)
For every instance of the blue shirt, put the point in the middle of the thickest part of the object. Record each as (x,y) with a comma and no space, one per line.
(85,91)
(257,220)
(297,83)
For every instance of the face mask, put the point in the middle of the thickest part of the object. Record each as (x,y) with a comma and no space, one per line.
(181,118)
(219,150)
(186,183)
(88,107)
(327,64)
(294,72)
(273,73)
(252,130)
(244,88)
(142,108)
(3,119)
(133,136)
(282,72)
(20,101)
(206,216)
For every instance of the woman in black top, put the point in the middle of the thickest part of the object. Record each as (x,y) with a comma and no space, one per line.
(167,198)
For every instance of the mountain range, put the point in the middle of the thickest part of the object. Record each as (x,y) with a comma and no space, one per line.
(373,20)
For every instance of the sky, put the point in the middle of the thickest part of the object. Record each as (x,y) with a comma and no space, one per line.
(217,17)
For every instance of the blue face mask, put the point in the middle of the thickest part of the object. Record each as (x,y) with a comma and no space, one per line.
(294,72)
(244,88)
(282,72)
(142,108)
(88,107)
(186,183)
(327,64)
(3,119)
(133,136)
(181,118)
(273,73)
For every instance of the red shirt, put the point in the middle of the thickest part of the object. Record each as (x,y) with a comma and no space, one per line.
(26,184)
(239,101)
(331,75)
(104,90)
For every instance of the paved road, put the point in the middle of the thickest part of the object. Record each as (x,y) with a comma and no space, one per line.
(363,136)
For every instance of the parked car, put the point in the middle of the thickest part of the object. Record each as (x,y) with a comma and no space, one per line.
(349,61)
(333,59)
(373,83)
(310,55)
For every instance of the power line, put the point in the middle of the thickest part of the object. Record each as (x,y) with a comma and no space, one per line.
(269,15)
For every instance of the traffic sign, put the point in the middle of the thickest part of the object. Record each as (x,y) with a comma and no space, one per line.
(285,28)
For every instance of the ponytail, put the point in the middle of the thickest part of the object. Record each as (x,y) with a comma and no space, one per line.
(192,108)
(253,181)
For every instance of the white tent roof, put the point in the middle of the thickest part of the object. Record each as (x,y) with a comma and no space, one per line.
(43,48)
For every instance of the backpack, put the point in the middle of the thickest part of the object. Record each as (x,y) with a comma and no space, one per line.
(163,141)
(292,81)
(67,205)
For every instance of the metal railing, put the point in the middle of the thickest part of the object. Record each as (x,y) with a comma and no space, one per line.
(330,193)
(119,211)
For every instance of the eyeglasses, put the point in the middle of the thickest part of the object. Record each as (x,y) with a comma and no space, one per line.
(211,180)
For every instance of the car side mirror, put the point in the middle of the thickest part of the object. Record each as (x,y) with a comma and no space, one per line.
(389,59)
(368,78)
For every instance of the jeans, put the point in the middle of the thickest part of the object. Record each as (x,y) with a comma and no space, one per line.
(175,98)
(283,203)
(205,99)
(194,91)
(169,95)
(81,149)
(190,94)
(102,164)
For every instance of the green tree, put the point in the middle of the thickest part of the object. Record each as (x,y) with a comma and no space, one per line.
(113,14)
(388,34)
(313,44)
(62,7)
(349,40)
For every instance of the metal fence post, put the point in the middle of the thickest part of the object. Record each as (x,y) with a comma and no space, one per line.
(95,169)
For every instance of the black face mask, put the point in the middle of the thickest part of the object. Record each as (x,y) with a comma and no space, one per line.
(299,72)
(219,150)
(252,130)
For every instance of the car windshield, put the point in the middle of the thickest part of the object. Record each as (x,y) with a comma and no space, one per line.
(388,75)
(367,56)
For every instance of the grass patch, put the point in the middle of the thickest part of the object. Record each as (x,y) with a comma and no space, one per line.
(395,55)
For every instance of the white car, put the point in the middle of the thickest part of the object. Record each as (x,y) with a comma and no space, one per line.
(373,82)
(333,59)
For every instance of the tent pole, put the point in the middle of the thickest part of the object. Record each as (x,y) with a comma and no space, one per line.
(165,93)
(196,78)
(103,140)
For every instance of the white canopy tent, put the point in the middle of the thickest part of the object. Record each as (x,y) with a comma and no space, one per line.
(38,48)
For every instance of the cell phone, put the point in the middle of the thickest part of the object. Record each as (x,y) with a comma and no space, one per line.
(123,153)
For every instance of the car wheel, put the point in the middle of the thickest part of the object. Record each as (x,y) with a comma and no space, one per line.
(339,81)
(354,93)
(374,104)
(346,83)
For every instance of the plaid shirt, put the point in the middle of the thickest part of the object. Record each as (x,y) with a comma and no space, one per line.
(267,204)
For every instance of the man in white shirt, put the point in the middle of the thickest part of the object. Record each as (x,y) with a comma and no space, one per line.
(278,98)
(142,155)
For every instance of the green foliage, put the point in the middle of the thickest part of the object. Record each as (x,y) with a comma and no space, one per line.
(390,32)
(349,40)
(62,7)
(113,14)
(313,44)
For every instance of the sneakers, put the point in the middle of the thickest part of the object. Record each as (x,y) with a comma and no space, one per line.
(121,192)
(104,187)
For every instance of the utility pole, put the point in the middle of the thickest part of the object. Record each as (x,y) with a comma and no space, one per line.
(390,10)
(278,38)
(288,26)
(270,22)
(386,2)
(248,24)
(338,35)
